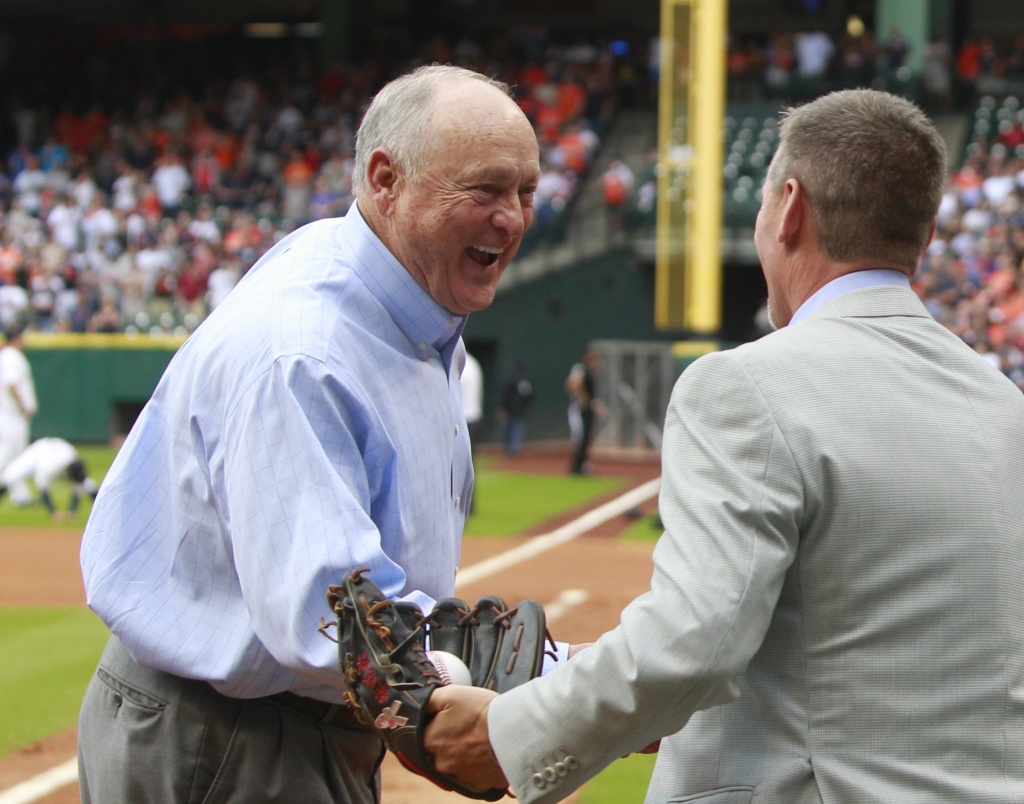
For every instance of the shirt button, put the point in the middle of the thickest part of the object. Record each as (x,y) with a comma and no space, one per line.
(458,499)
(421,346)
(457,429)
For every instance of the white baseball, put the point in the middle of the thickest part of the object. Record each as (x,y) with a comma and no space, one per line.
(450,668)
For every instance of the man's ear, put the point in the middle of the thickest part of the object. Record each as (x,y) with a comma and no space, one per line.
(793,211)
(383,177)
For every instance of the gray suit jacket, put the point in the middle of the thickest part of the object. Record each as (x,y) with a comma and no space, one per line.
(836,612)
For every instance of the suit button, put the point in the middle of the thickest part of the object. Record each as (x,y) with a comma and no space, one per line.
(561,770)
(539,782)
(549,774)
(571,762)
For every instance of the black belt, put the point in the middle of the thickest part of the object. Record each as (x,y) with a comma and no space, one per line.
(334,714)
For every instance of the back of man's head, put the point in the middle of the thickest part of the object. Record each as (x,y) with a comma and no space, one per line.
(873,166)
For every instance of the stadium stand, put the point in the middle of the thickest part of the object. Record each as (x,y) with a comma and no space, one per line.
(139,214)
(138,209)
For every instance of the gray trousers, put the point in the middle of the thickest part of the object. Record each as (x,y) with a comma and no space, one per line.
(147,736)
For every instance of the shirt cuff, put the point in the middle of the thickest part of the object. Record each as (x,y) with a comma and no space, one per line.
(561,657)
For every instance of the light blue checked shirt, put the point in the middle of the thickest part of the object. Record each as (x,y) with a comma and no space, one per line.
(312,424)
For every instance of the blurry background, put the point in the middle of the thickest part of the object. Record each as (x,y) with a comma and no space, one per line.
(153,149)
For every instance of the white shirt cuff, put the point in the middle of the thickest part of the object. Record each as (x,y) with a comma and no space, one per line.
(561,657)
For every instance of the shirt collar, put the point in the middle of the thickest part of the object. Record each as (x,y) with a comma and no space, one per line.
(423,320)
(858,280)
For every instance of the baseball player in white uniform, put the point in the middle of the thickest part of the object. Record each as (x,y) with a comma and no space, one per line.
(45,461)
(18,405)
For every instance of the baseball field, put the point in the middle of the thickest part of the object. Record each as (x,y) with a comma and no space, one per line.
(580,545)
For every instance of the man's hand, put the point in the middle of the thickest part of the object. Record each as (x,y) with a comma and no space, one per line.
(457,737)
(574,649)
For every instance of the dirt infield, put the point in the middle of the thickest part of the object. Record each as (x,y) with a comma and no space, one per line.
(40,567)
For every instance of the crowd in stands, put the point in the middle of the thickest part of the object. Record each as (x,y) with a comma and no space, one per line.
(791,66)
(972,277)
(795,66)
(141,215)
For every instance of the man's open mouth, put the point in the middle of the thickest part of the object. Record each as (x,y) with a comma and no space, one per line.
(482,255)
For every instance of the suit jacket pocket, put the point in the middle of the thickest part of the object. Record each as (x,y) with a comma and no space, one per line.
(724,795)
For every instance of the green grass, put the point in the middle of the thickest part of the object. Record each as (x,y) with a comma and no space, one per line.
(646,529)
(622,782)
(97,460)
(508,503)
(48,657)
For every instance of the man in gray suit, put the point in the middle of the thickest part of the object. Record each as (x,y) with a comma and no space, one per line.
(836,612)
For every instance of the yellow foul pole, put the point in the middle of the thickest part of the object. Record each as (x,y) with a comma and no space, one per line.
(688,270)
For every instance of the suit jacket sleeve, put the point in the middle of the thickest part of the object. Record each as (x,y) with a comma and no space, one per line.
(731,502)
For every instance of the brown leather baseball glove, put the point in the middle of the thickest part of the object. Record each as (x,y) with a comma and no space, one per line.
(389,678)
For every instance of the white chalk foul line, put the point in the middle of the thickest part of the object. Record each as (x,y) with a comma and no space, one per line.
(569,599)
(42,785)
(56,778)
(566,533)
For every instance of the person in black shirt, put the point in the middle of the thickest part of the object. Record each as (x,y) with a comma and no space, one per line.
(516,395)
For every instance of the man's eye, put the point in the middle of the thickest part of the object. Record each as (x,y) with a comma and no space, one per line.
(487,188)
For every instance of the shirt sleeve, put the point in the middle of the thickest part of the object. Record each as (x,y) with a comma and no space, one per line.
(304,470)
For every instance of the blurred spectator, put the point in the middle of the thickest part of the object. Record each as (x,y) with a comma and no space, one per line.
(63,222)
(895,49)
(585,409)
(780,63)
(28,185)
(205,172)
(516,396)
(937,76)
(616,185)
(171,182)
(221,280)
(814,51)
(297,176)
(107,318)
